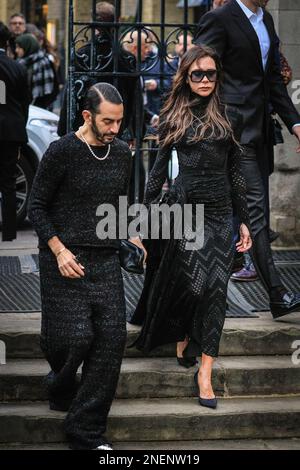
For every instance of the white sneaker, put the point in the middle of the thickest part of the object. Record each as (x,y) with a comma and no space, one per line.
(104,447)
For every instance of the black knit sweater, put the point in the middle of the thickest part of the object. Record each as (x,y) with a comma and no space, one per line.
(69,186)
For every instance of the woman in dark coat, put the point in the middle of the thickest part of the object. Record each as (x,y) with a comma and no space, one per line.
(184,295)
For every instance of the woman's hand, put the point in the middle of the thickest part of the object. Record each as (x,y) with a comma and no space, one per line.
(137,242)
(245,242)
(68,265)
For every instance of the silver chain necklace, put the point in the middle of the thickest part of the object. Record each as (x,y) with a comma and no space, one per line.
(91,150)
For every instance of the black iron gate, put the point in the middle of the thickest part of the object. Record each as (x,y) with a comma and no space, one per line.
(100,50)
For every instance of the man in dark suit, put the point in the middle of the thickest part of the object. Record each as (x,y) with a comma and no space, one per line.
(244,36)
(14,102)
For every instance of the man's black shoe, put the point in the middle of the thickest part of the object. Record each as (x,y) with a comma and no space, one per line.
(287,304)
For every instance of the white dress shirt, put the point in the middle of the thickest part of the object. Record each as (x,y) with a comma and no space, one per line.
(256,19)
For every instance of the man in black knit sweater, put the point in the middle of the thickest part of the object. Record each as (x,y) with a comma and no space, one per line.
(83,305)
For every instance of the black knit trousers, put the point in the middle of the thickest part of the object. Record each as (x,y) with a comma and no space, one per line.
(83,321)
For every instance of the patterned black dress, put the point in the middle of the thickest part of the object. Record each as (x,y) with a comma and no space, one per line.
(185,290)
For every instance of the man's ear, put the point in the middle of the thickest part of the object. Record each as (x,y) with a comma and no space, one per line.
(86,115)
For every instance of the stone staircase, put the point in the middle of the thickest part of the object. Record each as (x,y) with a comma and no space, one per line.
(156,405)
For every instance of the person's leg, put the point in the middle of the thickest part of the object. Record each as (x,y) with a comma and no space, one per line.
(264,159)
(86,421)
(212,323)
(66,334)
(8,162)
(261,250)
(210,316)
(204,377)
(264,167)
(181,345)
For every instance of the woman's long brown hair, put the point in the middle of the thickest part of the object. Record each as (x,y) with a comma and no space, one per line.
(176,115)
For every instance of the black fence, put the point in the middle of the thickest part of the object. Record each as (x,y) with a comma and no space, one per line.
(113,50)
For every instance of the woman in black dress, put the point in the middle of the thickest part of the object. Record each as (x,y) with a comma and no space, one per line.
(184,295)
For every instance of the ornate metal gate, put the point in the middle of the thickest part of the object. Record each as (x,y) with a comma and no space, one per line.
(98,51)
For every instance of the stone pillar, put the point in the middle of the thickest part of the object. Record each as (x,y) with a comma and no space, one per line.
(58,13)
(7,8)
(128,8)
(285,182)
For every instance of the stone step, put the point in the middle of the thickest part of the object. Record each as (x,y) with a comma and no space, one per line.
(221,444)
(22,380)
(162,420)
(253,336)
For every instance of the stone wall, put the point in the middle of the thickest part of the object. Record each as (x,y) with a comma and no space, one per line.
(58,12)
(7,8)
(285,182)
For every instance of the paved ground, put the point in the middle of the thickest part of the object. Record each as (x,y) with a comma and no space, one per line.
(26,243)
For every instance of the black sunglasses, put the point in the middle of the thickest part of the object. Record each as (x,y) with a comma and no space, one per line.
(198,75)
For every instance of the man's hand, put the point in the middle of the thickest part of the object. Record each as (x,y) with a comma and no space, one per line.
(245,242)
(68,265)
(150,85)
(296,131)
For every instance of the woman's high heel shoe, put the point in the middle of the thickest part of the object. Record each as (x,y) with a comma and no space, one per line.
(187,362)
(207,402)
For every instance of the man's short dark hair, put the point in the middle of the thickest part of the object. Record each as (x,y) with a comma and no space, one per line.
(15,15)
(101,92)
(4,35)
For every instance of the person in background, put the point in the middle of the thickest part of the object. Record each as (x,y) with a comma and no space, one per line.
(45,44)
(219,3)
(183,44)
(13,118)
(41,74)
(243,34)
(52,54)
(130,44)
(17,26)
(244,269)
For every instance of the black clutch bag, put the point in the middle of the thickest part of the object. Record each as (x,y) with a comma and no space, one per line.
(131,257)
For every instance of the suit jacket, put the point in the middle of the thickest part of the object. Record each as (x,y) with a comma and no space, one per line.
(246,85)
(14,113)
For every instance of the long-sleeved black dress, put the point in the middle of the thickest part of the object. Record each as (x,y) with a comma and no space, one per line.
(185,290)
